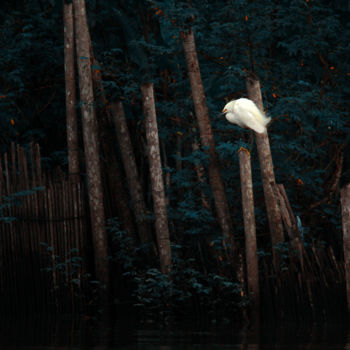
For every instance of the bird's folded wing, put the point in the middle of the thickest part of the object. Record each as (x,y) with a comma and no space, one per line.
(250,120)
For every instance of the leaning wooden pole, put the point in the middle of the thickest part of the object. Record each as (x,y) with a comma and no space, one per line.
(267,173)
(159,202)
(131,171)
(251,255)
(71,114)
(290,223)
(110,164)
(92,160)
(207,139)
(345,211)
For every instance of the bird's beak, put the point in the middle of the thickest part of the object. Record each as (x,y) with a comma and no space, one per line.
(224,110)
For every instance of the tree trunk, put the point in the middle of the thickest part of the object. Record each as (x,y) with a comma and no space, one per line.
(159,203)
(71,115)
(93,169)
(131,171)
(251,255)
(345,211)
(267,173)
(207,139)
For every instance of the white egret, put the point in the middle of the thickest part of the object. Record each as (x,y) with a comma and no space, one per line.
(246,114)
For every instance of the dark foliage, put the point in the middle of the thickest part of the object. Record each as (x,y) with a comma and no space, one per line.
(300,51)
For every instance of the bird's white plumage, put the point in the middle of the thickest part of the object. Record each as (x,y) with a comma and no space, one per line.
(246,114)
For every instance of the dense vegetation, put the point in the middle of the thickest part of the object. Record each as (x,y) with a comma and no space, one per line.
(300,51)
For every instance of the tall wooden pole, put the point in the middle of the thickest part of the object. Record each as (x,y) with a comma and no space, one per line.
(131,171)
(251,255)
(71,101)
(92,160)
(207,138)
(159,201)
(267,173)
(110,164)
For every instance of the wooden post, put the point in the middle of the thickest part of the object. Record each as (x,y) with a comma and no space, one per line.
(267,173)
(112,166)
(289,222)
(159,202)
(93,167)
(251,255)
(207,139)
(345,211)
(131,171)
(71,114)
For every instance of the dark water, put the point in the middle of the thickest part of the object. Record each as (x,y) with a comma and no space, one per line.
(45,333)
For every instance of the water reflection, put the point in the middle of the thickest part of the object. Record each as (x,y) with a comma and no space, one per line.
(46,333)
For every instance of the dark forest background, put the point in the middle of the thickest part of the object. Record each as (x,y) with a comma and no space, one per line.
(299,50)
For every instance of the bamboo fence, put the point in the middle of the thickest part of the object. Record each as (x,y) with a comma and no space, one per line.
(45,244)
(42,234)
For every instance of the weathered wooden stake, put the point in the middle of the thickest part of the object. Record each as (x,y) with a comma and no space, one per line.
(114,176)
(131,171)
(159,202)
(93,167)
(71,114)
(207,139)
(267,173)
(289,222)
(251,255)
